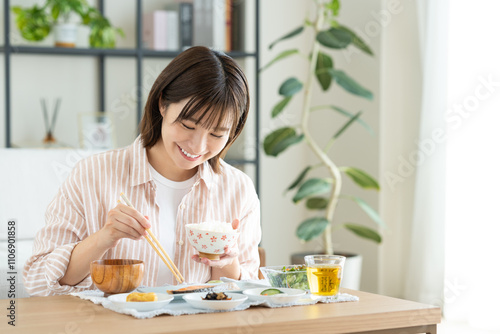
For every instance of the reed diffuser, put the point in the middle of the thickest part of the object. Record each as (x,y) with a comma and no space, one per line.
(49,127)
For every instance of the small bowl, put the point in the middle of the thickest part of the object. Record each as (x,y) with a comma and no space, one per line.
(117,275)
(196,301)
(292,276)
(210,244)
(289,296)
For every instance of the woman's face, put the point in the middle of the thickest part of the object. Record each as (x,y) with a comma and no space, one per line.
(187,144)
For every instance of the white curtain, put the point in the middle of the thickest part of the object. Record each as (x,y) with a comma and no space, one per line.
(425,274)
(472,290)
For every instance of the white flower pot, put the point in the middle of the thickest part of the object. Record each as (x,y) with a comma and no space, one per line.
(65,35)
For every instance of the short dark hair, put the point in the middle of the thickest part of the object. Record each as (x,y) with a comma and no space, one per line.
(216,87)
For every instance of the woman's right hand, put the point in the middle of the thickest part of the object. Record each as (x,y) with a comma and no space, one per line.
(123,222)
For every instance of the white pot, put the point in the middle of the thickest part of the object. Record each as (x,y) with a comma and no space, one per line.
(65,35)
(351,278)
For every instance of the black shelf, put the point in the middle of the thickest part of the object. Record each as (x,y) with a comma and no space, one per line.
(55,51)
(139,54)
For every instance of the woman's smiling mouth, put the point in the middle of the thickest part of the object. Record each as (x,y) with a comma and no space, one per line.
(188,155)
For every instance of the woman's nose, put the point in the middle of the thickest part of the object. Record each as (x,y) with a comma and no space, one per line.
(199,143)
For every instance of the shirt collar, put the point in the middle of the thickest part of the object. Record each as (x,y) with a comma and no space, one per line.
(139,165)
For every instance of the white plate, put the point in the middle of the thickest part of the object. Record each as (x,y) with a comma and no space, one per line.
(195,300)
(164,288)
(120,300)
(289,296)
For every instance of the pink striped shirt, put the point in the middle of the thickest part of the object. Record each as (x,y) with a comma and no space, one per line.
(82,203)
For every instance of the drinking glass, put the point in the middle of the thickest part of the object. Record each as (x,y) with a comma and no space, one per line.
(324,273)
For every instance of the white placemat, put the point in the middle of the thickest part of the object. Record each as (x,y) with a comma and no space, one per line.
(180,307)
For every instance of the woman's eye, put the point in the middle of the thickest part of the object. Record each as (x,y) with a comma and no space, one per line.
(216,136)
(187,127)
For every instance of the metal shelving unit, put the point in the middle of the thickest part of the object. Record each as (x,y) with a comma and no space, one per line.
(138,53)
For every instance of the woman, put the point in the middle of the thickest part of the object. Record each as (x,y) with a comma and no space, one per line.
(173,175)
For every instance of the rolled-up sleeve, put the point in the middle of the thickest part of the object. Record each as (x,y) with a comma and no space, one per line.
(63,230)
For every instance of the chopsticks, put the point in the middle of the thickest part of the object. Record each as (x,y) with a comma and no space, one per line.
(158,248)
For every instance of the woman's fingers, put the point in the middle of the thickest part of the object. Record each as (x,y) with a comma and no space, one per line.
(235,224)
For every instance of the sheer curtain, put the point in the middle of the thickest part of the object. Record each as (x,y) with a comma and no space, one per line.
(425,275)
(472,291)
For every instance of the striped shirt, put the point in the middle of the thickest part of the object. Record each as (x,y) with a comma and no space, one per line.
(82,203)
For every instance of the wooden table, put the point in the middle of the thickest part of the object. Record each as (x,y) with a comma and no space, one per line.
(373,314)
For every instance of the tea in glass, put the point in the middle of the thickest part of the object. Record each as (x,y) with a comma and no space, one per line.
(324,273)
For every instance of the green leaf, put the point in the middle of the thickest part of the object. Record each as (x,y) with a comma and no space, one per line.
(278,108)
(299,179)
(368,210)
(290,87)
(312,187)
(287,36)
(361,178)
(364,232)
(279,140)
(311,228)
(334,38)
(323,64)
(350,85)
(317,203)
(357,41)
(346,113)
(347,124)
(281,56)
(333,6)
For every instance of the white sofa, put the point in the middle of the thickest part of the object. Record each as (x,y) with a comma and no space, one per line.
(29,179)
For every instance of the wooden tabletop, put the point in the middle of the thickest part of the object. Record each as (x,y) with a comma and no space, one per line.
(371,314)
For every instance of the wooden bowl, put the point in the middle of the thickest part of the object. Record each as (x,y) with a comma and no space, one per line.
(117,276)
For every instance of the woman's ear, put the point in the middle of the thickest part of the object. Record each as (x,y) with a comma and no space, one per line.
(162,108)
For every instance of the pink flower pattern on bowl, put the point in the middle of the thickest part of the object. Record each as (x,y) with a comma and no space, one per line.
(210,242)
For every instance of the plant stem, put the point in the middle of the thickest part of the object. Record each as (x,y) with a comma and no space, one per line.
(332,168)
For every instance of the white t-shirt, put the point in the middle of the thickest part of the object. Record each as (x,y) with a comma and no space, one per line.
(169,195)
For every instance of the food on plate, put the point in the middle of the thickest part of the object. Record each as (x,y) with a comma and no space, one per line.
(205,288)
(192,288)
(216,296)
(142,297)
(270,292)
(214,281)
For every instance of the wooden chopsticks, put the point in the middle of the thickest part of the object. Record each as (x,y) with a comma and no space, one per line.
(158,248)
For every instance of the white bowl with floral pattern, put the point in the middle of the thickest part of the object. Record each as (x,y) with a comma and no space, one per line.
(210,238)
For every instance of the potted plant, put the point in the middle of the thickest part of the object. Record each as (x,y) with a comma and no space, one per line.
(35,23)
(322,194)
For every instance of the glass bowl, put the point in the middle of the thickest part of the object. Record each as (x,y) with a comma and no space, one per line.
(290,276)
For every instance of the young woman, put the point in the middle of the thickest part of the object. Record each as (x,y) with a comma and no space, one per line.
(173,174)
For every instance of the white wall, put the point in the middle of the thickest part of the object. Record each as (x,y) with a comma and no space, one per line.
(400,105)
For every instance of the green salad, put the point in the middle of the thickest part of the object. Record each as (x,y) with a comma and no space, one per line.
(294,277)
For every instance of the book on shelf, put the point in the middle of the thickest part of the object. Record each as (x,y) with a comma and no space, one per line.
(160,30)
(185,25)
(209,25)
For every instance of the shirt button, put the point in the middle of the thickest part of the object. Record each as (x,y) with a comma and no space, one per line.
(181,242)
(183,206)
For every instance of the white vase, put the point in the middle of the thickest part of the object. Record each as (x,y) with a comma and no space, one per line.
(65,35)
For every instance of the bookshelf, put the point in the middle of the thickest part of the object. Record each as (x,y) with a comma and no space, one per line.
(131,60)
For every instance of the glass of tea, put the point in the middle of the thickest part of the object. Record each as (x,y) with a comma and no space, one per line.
(324,273)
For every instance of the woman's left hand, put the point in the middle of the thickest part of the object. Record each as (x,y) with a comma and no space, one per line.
(225,259)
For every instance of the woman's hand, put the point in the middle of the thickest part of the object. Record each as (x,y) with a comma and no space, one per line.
(230,254)
(123,222)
